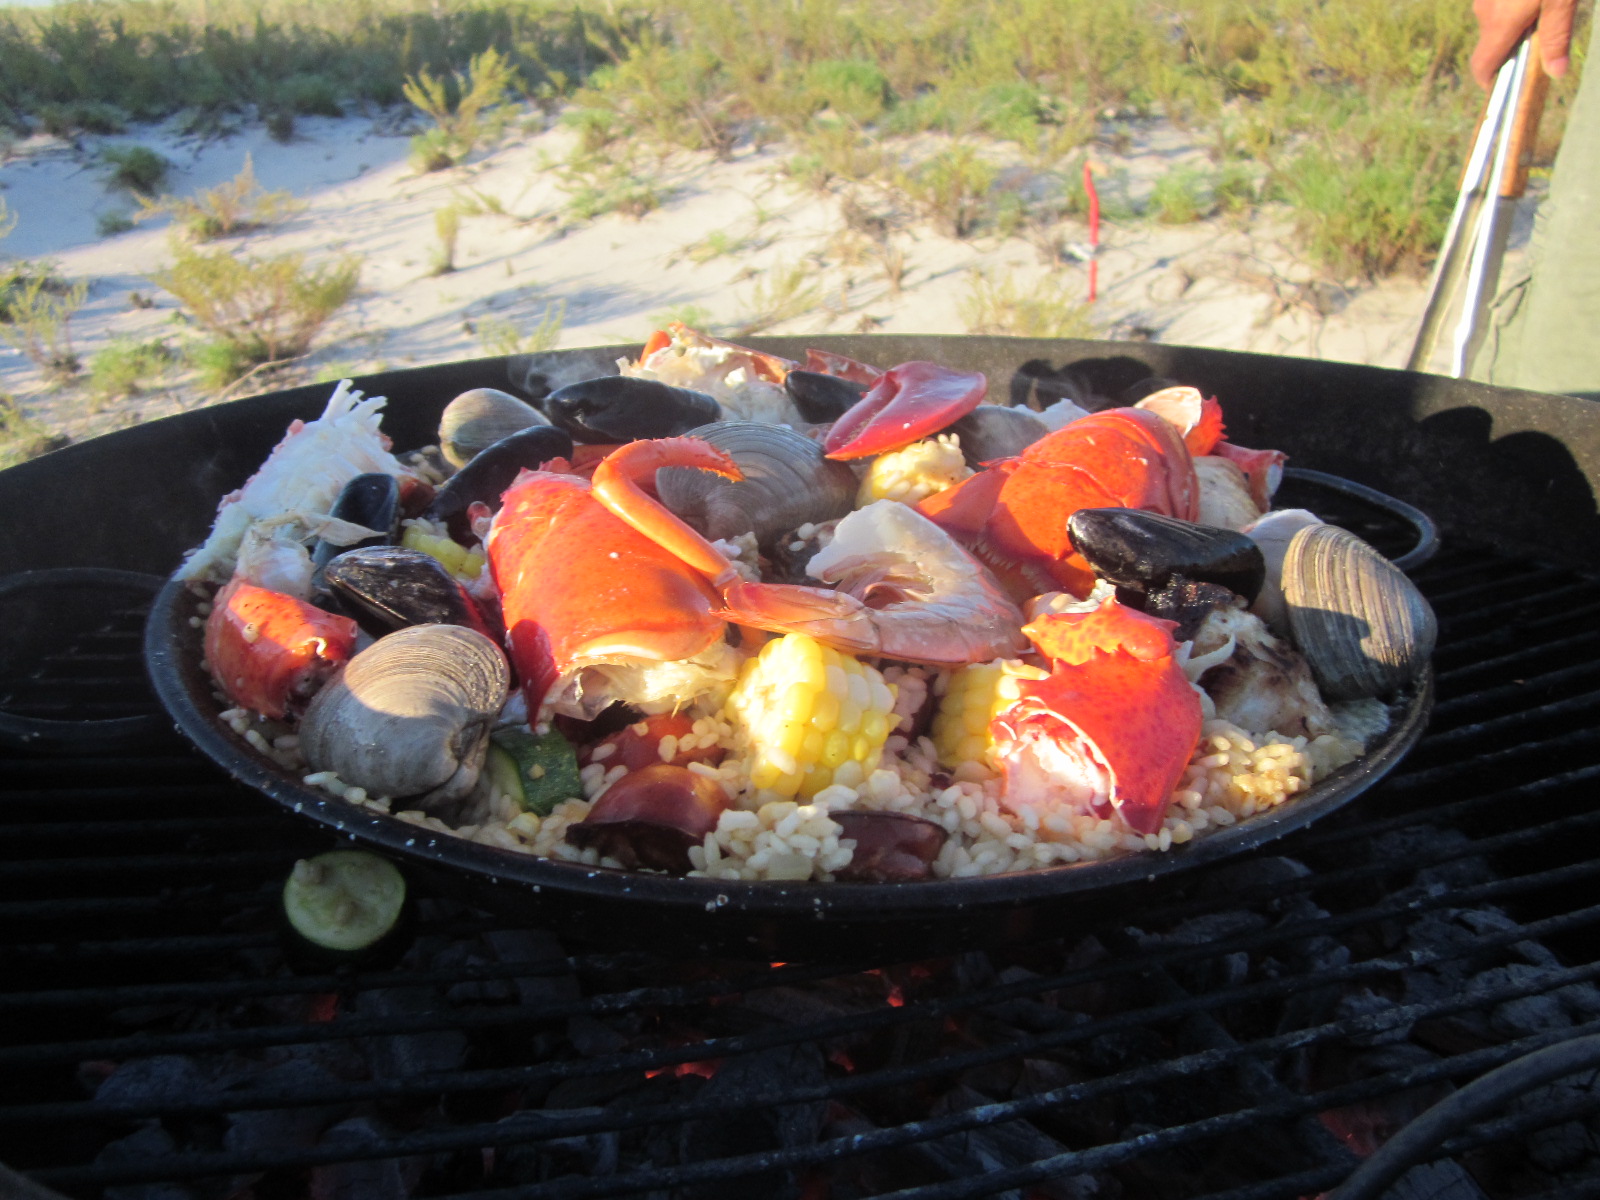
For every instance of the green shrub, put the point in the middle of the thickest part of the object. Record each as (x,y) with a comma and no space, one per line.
(36,311)
(265,310)
(219,362)
(311,96)
(462,108)
(1375,194)
(1048,308)
(853,88)
(1235,190)
(82,116)
(447,225)
(784,292)
(597,185)
(136,169)
(110,224)
(280,125)
(1181,197)
(21,436)
(951,189)
(500,336)
(237,206)
(126,368)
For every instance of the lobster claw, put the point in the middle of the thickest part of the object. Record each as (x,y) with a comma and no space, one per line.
(1113,727)
(906,404)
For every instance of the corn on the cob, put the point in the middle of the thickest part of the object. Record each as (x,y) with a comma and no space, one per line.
(458,560)
(806,716)
(975,695)
(914,472)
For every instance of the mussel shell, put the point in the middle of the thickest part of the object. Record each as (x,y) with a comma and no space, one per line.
(788,481)
(476,420)
(822,398)
(372,500)
(494,469)
(1186,602)
(1143,551)
(994,431)
(410,715)
(390,587)
(622,408)
(1362,625)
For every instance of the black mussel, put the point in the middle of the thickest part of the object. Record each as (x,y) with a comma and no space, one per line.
(371,501)
(390,587)
(993,431)
(822,398)
(1141,551)
(489,474)
(1186,601)
(621,408)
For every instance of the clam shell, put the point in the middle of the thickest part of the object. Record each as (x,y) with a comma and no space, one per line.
(410,715)
(1363,626)
(787,482)
(475,420)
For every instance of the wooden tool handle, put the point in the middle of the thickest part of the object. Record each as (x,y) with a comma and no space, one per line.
(1525,133)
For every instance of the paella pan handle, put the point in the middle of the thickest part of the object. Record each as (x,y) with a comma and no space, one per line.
(56,605)
(1414,519)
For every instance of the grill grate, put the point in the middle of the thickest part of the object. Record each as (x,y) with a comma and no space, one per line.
(1248,1037)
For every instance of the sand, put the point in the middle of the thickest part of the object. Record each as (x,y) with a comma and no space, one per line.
(724,231)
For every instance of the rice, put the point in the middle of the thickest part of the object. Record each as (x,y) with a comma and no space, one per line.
(1232,775)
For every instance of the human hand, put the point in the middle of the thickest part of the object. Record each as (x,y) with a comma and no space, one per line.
(1501,24)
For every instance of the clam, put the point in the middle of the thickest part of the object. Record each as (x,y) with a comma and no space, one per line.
(993,431)
(410,715)
(1363,625)
(1273,533)
(822,398)
(1144,551)
(622,408)
(478,419)
(493,470)
(787,482)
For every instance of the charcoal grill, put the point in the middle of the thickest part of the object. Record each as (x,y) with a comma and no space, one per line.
(1254,1032)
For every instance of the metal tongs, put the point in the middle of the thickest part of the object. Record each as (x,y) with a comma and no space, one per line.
(1475,243)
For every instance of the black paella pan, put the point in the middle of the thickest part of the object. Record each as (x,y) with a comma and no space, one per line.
(1423,438)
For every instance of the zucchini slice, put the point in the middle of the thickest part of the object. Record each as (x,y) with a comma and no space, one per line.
(536,770)
(346,904)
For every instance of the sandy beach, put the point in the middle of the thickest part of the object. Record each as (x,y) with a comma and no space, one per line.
(724,231)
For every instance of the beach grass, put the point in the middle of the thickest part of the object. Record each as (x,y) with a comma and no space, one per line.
(1337,106)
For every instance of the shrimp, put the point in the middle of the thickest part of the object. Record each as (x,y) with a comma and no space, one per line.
(906,591)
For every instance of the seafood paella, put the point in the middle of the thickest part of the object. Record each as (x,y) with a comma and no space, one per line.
(730,615)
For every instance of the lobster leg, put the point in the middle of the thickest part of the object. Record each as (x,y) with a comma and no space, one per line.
(617,486)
